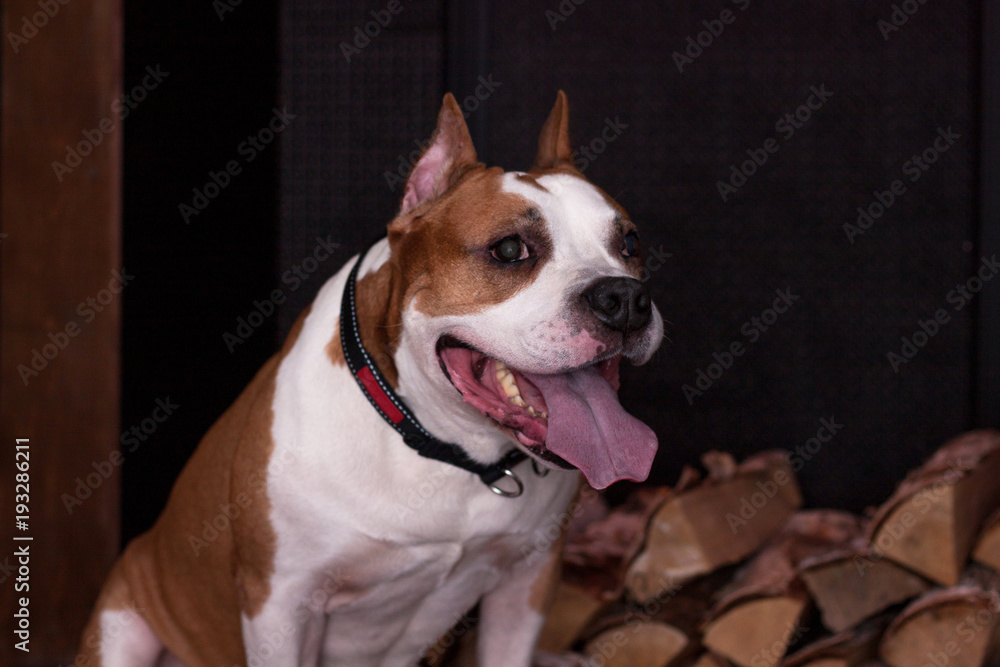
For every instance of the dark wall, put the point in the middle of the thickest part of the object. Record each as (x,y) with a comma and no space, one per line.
(193,277)
(360,113)
(675,134)
(365,104)
(826,357)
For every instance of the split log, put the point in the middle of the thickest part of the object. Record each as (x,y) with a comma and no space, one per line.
(682,609)
(710,660)
(720,522)
(543,659)
(851,648)
(849,587)
(987,549)
(648,644)
(761,613)
(957,626)
(844,662)
(573,609)
(757,632)
(930,523)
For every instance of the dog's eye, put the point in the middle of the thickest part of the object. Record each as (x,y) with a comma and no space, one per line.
(510,249)
(630,245)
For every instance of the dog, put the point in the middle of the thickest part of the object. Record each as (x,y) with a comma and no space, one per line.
(427,419)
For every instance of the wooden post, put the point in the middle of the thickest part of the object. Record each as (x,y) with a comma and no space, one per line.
(59,365)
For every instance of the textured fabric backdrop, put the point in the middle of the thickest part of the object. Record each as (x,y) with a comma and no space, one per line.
(673,127)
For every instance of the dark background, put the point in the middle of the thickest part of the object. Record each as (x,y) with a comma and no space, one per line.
(355,121)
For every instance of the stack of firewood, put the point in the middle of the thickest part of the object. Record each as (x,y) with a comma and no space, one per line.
(728,570)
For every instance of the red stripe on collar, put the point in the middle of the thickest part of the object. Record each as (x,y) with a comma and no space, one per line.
(384,403)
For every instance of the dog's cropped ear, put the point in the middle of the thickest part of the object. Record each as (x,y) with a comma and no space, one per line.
(553,144)
(449,154)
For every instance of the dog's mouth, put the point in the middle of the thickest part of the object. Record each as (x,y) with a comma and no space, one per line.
(569,419)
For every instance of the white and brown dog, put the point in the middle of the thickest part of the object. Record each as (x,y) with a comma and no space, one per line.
(366,489)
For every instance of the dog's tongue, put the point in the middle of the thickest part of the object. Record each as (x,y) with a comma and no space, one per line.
(588,427)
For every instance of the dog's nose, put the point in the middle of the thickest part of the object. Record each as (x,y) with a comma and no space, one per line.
(621,303)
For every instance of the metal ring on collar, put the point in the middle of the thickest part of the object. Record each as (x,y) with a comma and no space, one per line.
(508,494)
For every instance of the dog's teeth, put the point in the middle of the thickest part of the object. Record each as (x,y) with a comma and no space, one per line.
(507,381)
(509,384)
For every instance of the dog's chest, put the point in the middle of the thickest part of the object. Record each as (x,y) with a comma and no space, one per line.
(380,582)
(382,597)
(379,549)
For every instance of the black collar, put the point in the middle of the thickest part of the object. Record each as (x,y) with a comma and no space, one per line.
(394,410)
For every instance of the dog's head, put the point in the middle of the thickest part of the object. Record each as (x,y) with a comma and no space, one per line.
(519,296)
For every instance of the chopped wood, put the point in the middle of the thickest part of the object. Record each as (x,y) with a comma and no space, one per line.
(955,626)
(573,609)
(849,587)
(544,659)
(987,550)
(843,662)
(652,582)
(930,523)
(711,660)
(757,632)
(772,571)
(719,522)
(649,644)
(760,614)
(850,648)
(683,608)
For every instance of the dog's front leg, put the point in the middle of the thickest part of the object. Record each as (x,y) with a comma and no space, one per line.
(512,614)
(284,632)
